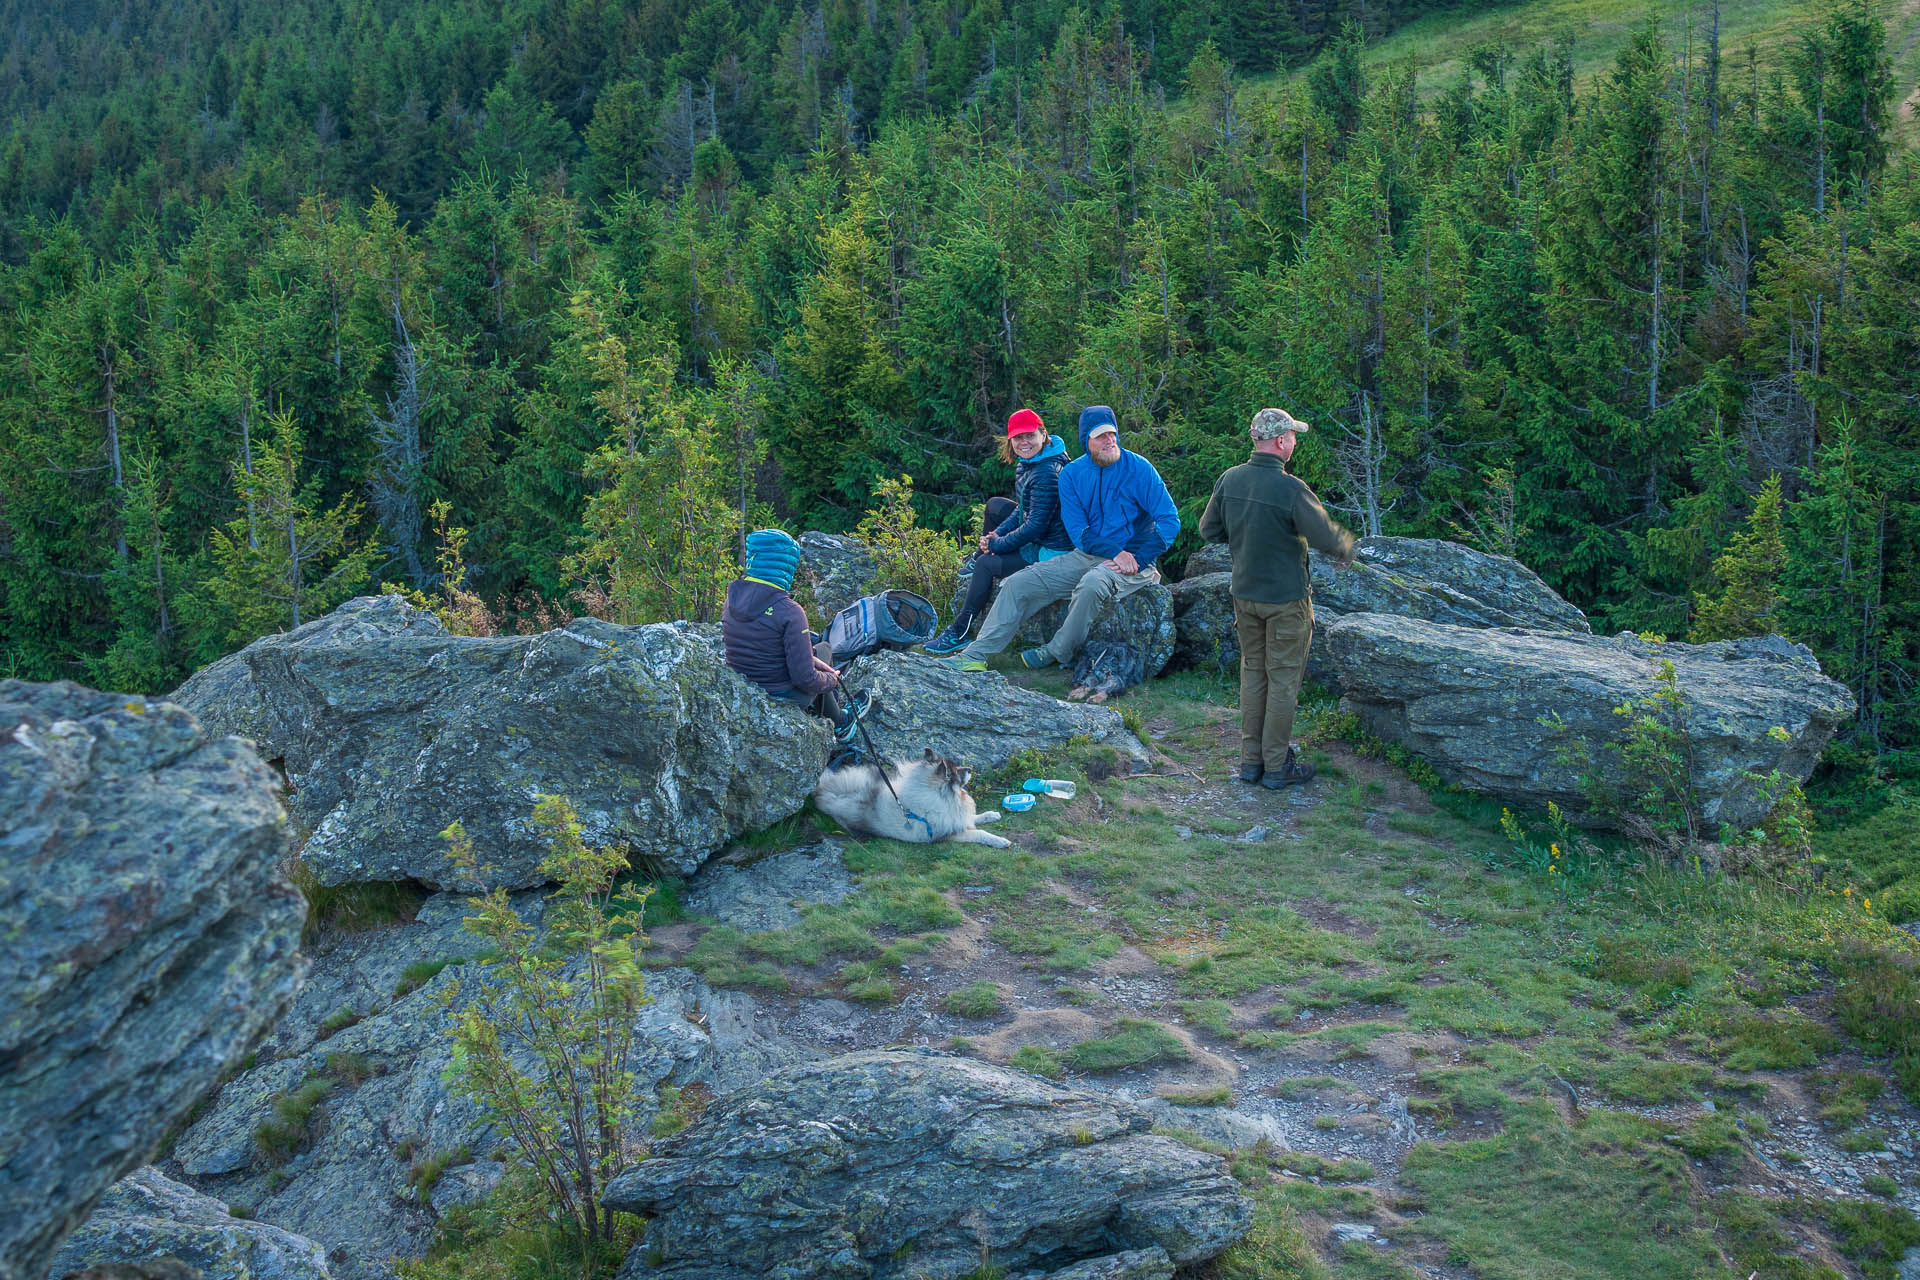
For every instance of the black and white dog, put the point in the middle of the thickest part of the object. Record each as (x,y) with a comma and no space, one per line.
(928,802)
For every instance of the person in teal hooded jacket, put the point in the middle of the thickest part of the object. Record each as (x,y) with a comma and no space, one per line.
(1119,517)
(764,631)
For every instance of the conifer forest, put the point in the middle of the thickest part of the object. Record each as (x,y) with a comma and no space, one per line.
(298,298)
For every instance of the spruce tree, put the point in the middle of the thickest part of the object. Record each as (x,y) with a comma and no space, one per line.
(1748,572)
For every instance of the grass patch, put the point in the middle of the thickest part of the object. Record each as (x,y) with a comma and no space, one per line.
(423,1175)
(1216,1096)
(420,973)
(1775,1041)
(289,1129)
(975,1000)
(1543,1198)
(1878,1004)
(1038,1059)
(1843,1095)
(1134,1042)
(352,908)
(337,1021)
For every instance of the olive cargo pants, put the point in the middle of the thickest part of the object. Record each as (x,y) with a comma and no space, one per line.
(1273,658)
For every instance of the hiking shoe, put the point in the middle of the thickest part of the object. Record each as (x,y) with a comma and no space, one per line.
(1291,774)
(1034,659)
(965,664)
(1250,773)
(946,642)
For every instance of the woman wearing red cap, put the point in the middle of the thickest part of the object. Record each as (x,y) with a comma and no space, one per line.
(1031,532)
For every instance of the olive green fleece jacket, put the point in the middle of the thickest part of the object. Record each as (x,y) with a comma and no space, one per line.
(1269,518)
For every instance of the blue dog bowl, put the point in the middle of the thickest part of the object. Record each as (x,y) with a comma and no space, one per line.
(1018,802)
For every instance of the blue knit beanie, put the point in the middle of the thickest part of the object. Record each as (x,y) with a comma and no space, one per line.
(1096,415)
(772,556)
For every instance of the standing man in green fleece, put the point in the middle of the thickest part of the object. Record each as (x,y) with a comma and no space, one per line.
(1269,518)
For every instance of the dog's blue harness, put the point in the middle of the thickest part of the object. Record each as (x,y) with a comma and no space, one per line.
(914,817)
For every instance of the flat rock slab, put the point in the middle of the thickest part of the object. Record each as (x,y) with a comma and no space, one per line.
(1427,578)
(977,718)
(148,938)
(147,1215)
(389,728)
(1474,702)
(765,894)
(897,1164)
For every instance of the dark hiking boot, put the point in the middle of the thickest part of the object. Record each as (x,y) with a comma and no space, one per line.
(1250,773)
(952,640)
(1291,774)
(847,728)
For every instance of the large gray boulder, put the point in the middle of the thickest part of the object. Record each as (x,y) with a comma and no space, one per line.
(905,1164)
(148,936)
(977,718)
(389,728)
(1472,701)
(148,1215)
(388,1103)
(839,568)
(1410,577)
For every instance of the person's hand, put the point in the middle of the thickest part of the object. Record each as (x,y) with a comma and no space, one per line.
(983,543)
(827,674)
(1124,563)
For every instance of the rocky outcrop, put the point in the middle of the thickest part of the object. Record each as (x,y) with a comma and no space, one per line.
(147,938)
(147,1215)
(978,719)
(371,1031)
(903,1164)
(756,896)
(389,728)
(1472,701)
(839,569)
(1410,577)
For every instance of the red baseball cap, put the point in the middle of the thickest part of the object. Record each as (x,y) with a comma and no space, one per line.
(1023,421)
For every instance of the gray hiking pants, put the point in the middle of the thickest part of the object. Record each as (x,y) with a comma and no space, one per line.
(1027,592)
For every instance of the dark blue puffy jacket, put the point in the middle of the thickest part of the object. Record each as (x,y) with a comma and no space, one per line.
(1035,524)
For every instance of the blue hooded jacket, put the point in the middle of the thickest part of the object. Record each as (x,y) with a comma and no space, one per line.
(1122,507)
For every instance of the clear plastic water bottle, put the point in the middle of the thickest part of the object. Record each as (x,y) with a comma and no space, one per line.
(1058,788)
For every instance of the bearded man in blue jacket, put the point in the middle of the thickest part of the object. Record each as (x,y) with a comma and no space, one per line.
(1119,517)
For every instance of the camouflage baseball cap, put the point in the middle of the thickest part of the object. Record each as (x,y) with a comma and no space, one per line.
(1271,424)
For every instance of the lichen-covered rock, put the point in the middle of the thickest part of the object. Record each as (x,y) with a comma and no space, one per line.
(389,1103)
(1472,702)
(977,718)
(897,1164)
(840,569)
(761,895)
(1134,1264)
(1425,578)
(389,728)
(148,936)
(147,1216)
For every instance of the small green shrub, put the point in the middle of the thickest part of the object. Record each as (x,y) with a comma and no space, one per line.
(1881,1185)
(924,561)
(1210,1096)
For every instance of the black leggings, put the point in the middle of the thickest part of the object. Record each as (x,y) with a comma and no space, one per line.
(988,567)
